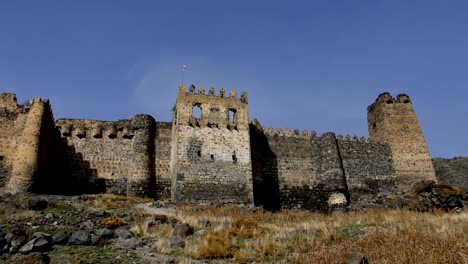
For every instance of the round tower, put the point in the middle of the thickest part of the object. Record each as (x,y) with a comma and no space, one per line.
(394,122)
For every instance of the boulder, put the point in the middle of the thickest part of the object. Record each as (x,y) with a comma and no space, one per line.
(60,238)
(182,230)
(38,244)
(124,233)
(132,243)
(80,238)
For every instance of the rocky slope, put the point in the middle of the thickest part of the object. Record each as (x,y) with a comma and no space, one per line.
(452,171)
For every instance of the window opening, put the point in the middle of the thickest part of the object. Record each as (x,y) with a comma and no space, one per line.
(196,111)
(234,158)
(212,157)
(232,115)
(199,153)
(1,158)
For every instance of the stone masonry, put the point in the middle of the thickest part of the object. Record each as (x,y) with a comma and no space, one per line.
(210,153)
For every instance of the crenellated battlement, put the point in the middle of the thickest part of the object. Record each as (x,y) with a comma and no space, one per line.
(199,110)
(88,129)
(354,138)
(192,90)
(386,98)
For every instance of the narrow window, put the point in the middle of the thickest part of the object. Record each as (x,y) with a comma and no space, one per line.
(234,158)
(232,115)
(199,153)
(196,111)
(374,125)
(212,157)
(1,158)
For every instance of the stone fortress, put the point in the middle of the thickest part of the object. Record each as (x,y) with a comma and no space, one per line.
(217,157)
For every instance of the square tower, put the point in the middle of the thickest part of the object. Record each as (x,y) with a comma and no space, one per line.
(394,122)
(211,148)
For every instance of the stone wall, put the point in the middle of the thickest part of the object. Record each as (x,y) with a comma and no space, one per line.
(368,168)
(163,160)
(211,157)
(97,155)
(12,120)
(394,122)
(32,161)
(308,170)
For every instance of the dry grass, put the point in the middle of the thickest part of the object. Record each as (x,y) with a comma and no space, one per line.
(110,201)
(240,235)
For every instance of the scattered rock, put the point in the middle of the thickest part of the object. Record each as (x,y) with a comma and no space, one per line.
(132,243)
(49,216)
(124,233)
(200,232)
(94,240)
(38,244)
(176,242)
(182,230)
(88,225)
(80,238)
(105,233)
(60,238)
(37,204)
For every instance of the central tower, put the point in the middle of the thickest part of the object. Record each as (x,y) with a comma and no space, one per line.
(211,147)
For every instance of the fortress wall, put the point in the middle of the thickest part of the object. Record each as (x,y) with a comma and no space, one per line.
(206,172)
(211,152)
(163,159)
(308,170)
(32,164)
(96,154)
(368,168)
(12,120)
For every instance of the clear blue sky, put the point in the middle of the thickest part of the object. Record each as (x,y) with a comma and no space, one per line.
(312,65)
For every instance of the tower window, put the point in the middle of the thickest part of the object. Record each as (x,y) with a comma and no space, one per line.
(199,153)
(196,111)
(212,157)
(232,115)
(374,125)
(406,101)
(1,158)
(234,158)
(389,102)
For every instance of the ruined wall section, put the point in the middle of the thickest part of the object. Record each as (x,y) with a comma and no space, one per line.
(12,120)
(368,168)
(211,153)
(393,121)
(96,154)
(32,161)
(308,170)
(163,142)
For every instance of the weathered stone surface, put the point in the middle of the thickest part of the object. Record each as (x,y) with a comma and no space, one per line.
(132,243)
(61,238)
(105,233)
(176,242)
(80,238)
(394,122)
(182,230)
(452,172)
(123,233)
(38,244)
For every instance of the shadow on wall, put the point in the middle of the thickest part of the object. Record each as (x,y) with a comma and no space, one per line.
(264,170)
(73,174)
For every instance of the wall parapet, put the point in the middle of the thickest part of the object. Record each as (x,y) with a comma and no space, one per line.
(192,90)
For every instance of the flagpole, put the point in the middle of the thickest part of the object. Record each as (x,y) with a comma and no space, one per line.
(183,72)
